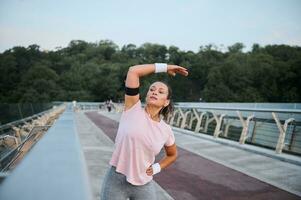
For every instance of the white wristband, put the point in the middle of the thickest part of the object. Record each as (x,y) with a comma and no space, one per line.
(156,168)
(160,67)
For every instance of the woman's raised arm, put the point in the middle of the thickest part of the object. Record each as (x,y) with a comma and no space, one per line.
(137,71)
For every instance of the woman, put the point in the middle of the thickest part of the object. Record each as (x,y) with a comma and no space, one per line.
(140,137)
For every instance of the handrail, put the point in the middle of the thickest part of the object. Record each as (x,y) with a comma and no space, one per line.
(19,147)
(13,123)
(245,118)
(265,130)
(297,111)
(51,167)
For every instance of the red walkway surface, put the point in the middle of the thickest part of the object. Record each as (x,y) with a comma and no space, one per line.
(194,177)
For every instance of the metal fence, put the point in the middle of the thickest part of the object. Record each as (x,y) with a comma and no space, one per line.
(16,134)
(270,125)
(8,157)
(275,128)
(15,111)
(54,169)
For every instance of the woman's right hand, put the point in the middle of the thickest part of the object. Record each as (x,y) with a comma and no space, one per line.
(174,69)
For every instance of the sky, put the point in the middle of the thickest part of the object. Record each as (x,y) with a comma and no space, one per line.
(187,24)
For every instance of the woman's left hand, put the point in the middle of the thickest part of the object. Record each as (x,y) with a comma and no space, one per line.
(149,171)
(175,69)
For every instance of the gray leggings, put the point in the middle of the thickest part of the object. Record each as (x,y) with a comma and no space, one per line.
(115,187)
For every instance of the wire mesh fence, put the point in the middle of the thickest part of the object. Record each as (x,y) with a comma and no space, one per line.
(12,112)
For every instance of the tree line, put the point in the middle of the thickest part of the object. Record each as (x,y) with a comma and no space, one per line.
(86,71)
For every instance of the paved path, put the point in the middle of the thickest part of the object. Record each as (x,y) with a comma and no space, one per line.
(281,170)
(195,177)
(98,148)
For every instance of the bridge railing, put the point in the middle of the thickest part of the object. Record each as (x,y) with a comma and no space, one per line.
(97,106)
(279,129)
(53,169)
(264,125)
(24,132)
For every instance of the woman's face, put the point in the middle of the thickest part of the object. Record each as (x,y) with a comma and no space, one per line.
(157,95)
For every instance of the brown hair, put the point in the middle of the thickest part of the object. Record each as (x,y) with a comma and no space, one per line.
(168,110)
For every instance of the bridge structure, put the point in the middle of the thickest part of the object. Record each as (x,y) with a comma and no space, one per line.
(225,151)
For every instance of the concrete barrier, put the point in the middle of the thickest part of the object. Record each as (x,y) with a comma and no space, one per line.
(54,168)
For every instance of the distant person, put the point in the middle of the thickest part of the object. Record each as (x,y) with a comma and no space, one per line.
(74,105)
(109,105)
(140,137)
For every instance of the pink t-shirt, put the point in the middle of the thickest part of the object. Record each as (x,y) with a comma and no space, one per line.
(139,139)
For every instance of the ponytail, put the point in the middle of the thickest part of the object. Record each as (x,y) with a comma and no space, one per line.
(169,109)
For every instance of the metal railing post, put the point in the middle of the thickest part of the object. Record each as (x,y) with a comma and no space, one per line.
(199,122)
(192,118)
(20,112)
(173,117)
(183,123)
(245,127)
(282,132)
(219,120)
(181,116)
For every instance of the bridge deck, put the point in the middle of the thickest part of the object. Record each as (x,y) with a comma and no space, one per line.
(204,169)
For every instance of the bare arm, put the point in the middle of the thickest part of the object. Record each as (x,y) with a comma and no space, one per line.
(137,71)
(171,156)
(132,81)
